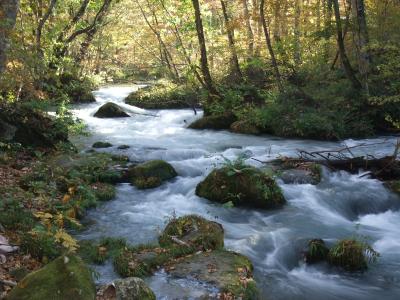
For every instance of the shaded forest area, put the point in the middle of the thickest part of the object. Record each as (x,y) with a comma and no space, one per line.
(322,69)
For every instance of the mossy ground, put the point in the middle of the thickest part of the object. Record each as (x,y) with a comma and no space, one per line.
(247,187)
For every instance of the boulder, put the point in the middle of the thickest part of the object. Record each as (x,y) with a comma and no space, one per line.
(216,122)
(293,171)
(100,145)
(151,174)
(229,272)
(132,288)
(193,231)
(30,128)
(316,252)
(123,147)
(65,278)
(244,127)
(111,110)
(248,186)
(298,176)
(393,185)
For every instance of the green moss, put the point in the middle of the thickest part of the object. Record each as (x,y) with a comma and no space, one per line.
(65,278)
(40,245)
(111,110)
(352,255)
(244,127)
(317,251)
(394,186)
(99,145)
(103,191)
(100,252)
(151,174)
(216,122)
(246,187)
(194,231)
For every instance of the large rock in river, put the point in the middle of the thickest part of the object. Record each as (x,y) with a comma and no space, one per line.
(248,186)
(244,127)
(65,278)
(229,272)
(111,110)
(193,231)
(223,121)
(132,288)
(151,174)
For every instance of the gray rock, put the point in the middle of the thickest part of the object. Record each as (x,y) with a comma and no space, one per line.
(126,289)
(298,176)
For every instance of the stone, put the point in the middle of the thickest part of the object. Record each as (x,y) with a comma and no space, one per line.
(151,174)
(216,122)
(244,127)
(131,288)
(111,110)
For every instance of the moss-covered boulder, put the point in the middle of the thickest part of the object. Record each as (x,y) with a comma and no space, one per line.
(193,231)
(316,251)
(111,110)
(151,174)
(216,122)
(65,278)
(246,187)
(100,145)
(245,127)
(132,288)
(394,186)
(103,191)
(229,272)
(351,255)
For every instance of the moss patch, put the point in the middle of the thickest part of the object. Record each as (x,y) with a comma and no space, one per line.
(244,127)
(216,122)
(316,252)
(100,145)
(193,231)
(103,191)
(67,277)
(151,174)
(247,187)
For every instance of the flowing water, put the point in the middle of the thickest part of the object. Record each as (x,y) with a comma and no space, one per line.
(342,205)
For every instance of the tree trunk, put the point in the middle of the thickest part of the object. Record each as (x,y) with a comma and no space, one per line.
(234,59)
(269,46)
(42,22)
(342,50)
(8,16)
(249,30)
(203,49)
(297,32)
(363,55)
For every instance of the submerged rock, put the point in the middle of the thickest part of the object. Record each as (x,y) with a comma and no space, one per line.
(229,272)
(65,278)
(394,186)
(214,122)
(111,110)
(151,174)
(244,127)
(100,145)
(193,231)
(316,252)
(132,288)
(246,187)
(123,147)
(298,172)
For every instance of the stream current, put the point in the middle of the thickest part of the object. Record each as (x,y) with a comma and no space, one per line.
(341,206)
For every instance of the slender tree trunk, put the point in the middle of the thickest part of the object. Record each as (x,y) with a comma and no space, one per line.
(203,49)
(42,22)
(297,32)
(362,37)
(277,21)
(342,50)
(249,30)
(8,16)
(234,58)
(269,46)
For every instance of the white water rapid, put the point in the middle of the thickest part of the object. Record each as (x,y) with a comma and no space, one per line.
(342,205)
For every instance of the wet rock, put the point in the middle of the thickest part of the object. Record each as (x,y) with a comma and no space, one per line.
(295,176)
(316,252)
(101,145)
(111,110)
(298,172)
(394,186)
(243,187)
(193,231)
(65,278)
(123,147)
(230,272)
(126,289)
(214,122)
(351,255)
(244,127)
(151,174)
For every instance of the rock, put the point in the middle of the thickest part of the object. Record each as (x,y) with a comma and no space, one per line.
(246,187)
(296,172)
(151,174)
(123,147)
(350,255)
(103,191)
(65,278)
(101,145)
(132,288)
(229,272)
(193,231)
(214,122)
(316,252)
(394,186)
(244,127)
(30,128)
(295,176)
(111,110)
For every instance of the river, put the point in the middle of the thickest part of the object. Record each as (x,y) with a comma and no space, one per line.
(342,205)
